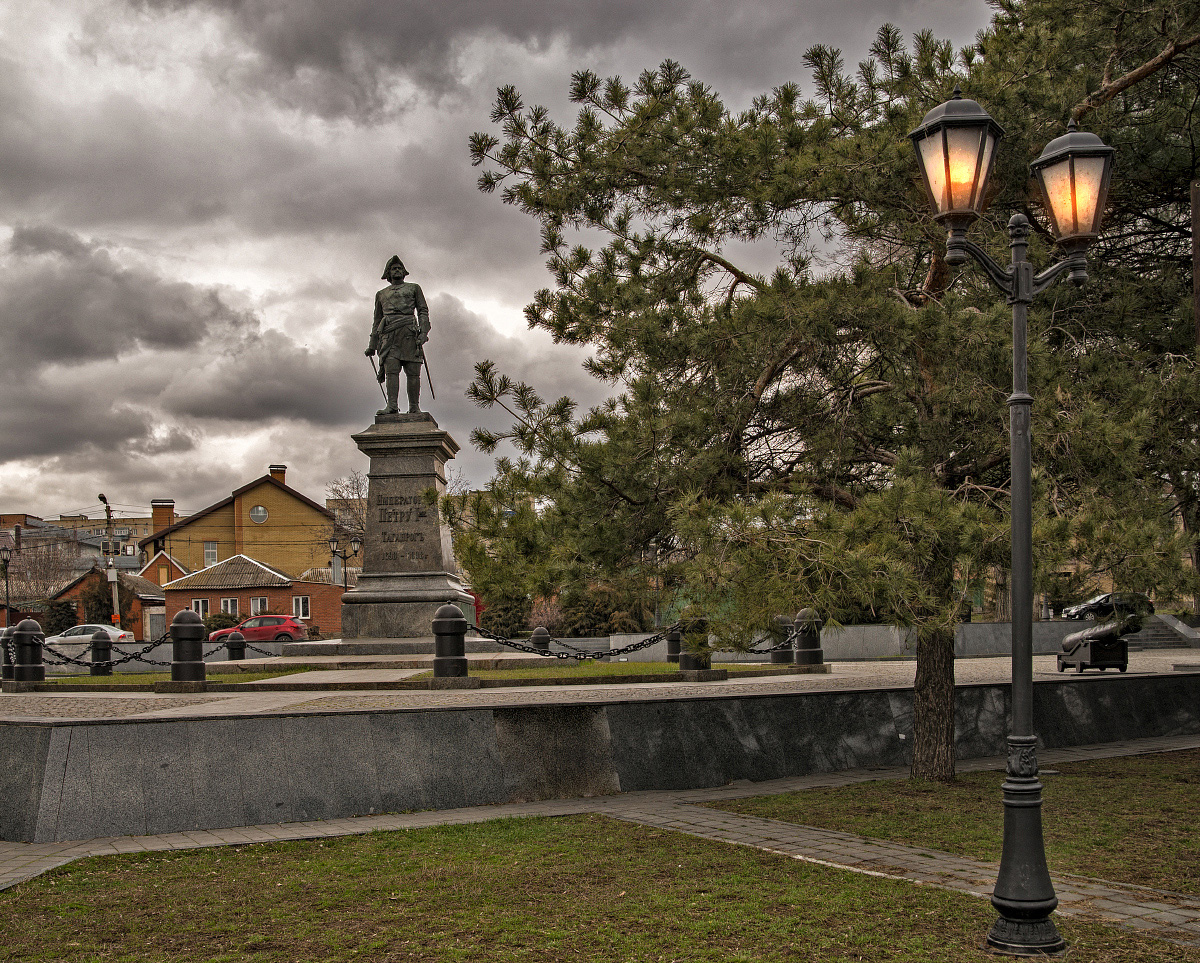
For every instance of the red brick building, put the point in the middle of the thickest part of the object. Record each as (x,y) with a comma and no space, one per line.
(242,587)
(146,618)
(162,568)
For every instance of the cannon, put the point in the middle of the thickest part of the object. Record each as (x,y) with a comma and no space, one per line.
(1100,646)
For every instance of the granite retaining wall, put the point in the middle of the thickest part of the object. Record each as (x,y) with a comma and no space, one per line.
(75,779)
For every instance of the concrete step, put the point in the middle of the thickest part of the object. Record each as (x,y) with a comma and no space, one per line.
(1156,634)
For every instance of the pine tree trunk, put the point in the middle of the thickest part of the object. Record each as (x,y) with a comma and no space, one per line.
(933,704)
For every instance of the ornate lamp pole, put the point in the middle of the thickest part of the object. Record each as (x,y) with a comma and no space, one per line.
(956,144)
(6,557)
(355,545)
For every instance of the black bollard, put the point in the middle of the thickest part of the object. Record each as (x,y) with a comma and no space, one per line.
(808,638)
(779,633)
(673,638)
(27,640)
(449,643)
(5,644)
(696,653)
(540,639)
(235,645)
(187,647)
(101,653)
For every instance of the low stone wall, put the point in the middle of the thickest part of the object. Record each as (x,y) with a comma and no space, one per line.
(70,780)
(859,643)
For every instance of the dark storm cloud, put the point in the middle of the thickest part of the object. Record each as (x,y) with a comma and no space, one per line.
(266,375)
(55,417)
(66,301)
(344,58)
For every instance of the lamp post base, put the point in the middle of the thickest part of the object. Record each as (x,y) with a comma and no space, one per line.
(1024,894)
(1036,937)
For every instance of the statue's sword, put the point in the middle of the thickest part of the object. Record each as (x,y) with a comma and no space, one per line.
(428,376)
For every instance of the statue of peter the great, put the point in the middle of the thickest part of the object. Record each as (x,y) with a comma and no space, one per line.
(398,334)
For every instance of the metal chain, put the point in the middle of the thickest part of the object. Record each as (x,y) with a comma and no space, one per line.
(127,656)
(579,655)
(788,643)
(521,647)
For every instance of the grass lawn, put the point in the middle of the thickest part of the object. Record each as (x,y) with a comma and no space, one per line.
(1130,819)
(149,678)
(582,889)
(594,668)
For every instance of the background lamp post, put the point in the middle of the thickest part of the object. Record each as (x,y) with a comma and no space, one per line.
(355,545)
(6,557)
(955,147)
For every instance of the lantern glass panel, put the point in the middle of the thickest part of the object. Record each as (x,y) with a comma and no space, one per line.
(933,162)
(962,164)
(1072,187)
(1089,179)
(1056,184)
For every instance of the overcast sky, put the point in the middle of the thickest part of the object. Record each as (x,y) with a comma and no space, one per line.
(197,198)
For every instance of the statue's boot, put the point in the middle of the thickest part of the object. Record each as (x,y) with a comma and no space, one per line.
(393,392)
(414,393)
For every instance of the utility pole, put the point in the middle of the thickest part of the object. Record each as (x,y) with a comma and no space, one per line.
(110,554)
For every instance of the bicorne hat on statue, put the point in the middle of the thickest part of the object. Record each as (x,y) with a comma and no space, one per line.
(395,259)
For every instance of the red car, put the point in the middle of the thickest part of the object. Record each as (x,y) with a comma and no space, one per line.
(265,628)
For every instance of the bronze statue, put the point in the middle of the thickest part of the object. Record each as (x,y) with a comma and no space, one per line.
(399,333)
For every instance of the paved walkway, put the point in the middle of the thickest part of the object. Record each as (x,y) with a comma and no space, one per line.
(878,674)
(1171,916)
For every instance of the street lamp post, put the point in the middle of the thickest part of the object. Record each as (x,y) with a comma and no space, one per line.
(355,545)
(6,557)
(955,145)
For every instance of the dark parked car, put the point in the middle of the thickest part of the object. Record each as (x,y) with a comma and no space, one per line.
(265,628)
(1111,605)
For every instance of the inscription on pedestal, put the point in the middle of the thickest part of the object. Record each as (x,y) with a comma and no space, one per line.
(406,533)
(399,520)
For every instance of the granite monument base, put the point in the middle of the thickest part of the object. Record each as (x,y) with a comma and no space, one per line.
(399,606)
(409,570)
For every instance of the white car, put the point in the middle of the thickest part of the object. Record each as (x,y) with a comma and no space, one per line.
(83,634)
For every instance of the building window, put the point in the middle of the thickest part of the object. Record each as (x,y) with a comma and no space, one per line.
(164,575)
(229,607)
(300,606)
(200,607)
(258,605)
(210,554)
(258,514)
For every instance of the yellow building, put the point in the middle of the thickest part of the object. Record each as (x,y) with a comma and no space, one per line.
(266,520)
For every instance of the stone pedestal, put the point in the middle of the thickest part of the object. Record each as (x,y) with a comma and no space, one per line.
(409,571)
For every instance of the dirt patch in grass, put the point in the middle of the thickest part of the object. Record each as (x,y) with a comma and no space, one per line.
(581,889)
(1131,819)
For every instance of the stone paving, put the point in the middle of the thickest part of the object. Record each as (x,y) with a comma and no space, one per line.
(1170,916)
(898,673)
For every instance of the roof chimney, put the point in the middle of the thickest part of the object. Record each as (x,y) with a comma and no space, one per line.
(278,472)
(162,513)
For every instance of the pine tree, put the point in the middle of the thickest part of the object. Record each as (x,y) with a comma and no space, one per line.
(834,434)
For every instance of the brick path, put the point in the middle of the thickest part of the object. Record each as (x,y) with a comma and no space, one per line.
(1171,916)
